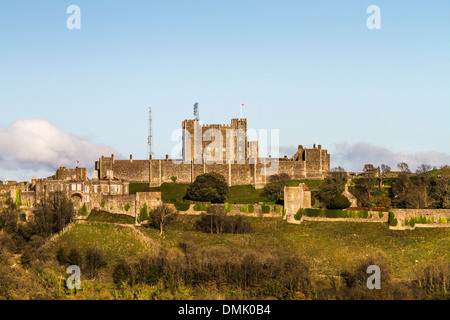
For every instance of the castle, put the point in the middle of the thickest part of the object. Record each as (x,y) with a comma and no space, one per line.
(223,149)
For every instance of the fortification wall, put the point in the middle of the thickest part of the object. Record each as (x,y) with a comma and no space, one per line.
(134,170)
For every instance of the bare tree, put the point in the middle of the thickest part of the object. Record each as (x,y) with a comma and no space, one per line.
(161,216)
(384,170)
(423,168)
(403,167)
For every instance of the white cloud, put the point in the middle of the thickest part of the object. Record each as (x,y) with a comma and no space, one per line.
(35,145)
(353,157)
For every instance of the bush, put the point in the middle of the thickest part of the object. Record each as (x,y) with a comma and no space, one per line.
(298,216)
(228,208)
(392,220)
(221,223)
(143,213)
(182,206)
(251,208)
(243,209)
(61,256)
(208,187)
(75,258)
(277,209)
(83,210)
(122,273)
(337,202)
(25,260)
(380,215)
(126,207)
(94,261)
(102,203)
(265,209)
(201,206)
(443,220)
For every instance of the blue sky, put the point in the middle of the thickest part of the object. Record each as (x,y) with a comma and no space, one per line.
(309,68)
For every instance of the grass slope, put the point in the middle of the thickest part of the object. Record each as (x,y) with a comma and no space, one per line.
(329,247)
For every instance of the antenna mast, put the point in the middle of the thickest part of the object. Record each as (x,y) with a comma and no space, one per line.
(150,136)
(196,114)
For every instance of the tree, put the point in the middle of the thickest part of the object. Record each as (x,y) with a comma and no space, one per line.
(74,258)
(403,167)
(161,216)
(400,188)
(275,188)
(423,168)
(364,187)
(94,261)
(338,173)
(338,202)
(384,170)
(210,187)
(18,201)
(53,214)
(332,187)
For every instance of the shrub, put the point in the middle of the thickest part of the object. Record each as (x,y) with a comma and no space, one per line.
(102,203)
(380,215)
(25,260)
(201,206)
(298,216)
(243,209)
(74,258)
(122,273)
(208,187)
(83,210)
(265,209)
(174,179)
(61,256)
(94,261)
(228,208)
(251,208)
(182,206)
(23,217)
(143,213)
(126,207)
(221,223)
(277,209)
(392,220)
(337,202)
(443,220)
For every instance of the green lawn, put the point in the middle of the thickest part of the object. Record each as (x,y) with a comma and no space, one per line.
(246,195)
(103,216)
(116,242)
(311,184)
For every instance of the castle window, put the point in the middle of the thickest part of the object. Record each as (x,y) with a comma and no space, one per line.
(86,189)
(113,189)
(95,189)
(74,187)
(78,187)
(86,199)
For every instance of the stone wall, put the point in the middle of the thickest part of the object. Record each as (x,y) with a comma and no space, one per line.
(373,216)
(237,211)
(117,203)
(433,215)
(162,170)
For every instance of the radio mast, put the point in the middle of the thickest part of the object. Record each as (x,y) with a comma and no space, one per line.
(196,114)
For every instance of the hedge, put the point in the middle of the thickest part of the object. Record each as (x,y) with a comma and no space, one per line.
(182,206)
(265,209)
(328,213)
(201,206)
(228,208)
(251,208)
(392,220)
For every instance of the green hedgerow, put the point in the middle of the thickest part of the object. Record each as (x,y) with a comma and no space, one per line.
(392,220)
(201,206)
(182,206)
(298,216)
